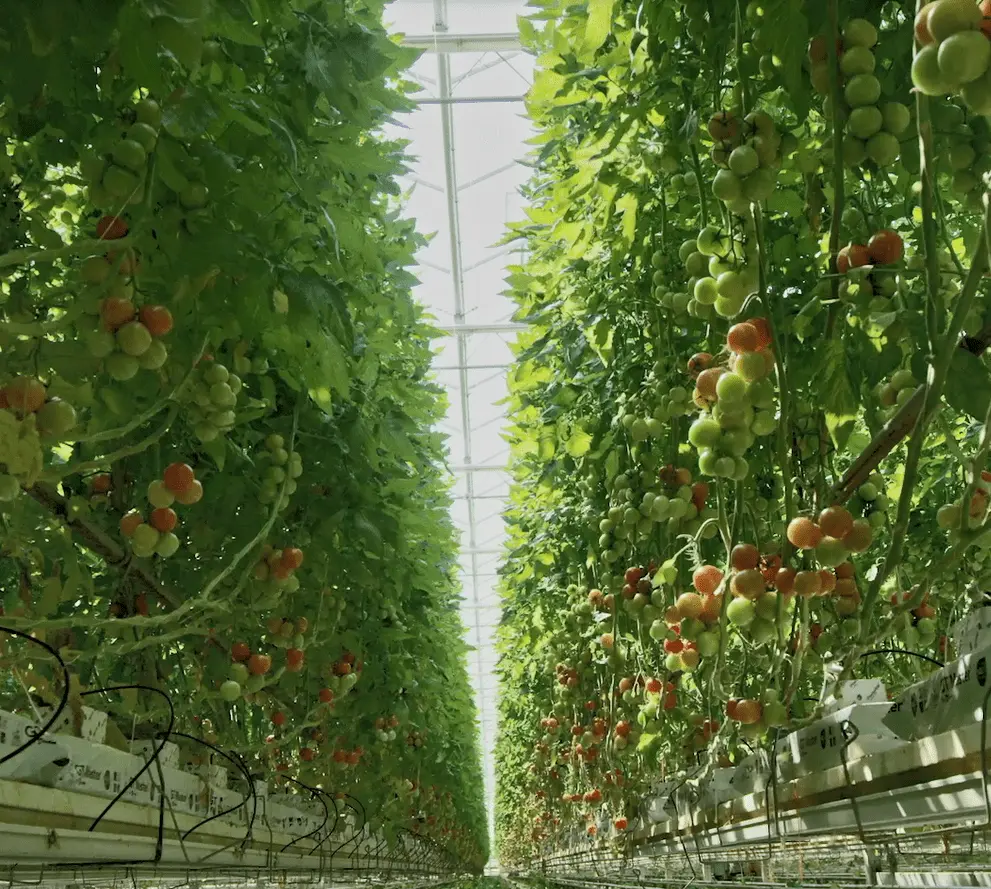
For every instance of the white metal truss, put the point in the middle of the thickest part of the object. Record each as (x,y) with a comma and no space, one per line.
(455,62)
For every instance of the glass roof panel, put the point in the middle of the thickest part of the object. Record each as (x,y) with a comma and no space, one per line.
(465,177)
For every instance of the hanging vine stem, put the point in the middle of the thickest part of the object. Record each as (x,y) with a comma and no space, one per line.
(976,466)
(145,416)
(744,81)
(784,451)
(25,255)
(113,457)
(932,393)
(697,164)
(934,302)
(265,529)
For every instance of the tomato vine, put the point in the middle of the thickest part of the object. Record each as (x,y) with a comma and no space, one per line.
(749,420)
(219,478)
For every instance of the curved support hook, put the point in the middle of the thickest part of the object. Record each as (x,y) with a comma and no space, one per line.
(62,703)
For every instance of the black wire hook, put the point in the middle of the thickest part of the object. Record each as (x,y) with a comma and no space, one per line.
(62,703)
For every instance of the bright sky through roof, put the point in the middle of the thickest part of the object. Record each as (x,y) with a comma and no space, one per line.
(464,187)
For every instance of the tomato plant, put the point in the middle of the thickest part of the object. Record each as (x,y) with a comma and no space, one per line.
(214,402)
(756,262)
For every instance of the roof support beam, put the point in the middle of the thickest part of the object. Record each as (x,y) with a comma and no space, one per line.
(444,43)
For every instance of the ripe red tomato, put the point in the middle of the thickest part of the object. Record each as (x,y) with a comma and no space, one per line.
(163,519)
(853,256)
(326,696)
(293,557)
(240,652)
(633,575)
(724,126)
(157,319)
(178,477)
(745,556)
(100,484)
(278,719)
(259,664)
(294,659)
(886,247)
(193,494)
(115,312)
(129,521)
(111,228)
(25,395)
(306,754)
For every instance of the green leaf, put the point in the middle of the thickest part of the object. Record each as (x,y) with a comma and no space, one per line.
(50,598)
(968,385)
(579,444)
(598,25)
(139,49)
(217,449)
(839,396)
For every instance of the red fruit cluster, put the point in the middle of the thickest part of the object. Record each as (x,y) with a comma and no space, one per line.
(346,664)
(278,563)
(746,711)
(602,602)
(566,676)
(181,481)
(885,247)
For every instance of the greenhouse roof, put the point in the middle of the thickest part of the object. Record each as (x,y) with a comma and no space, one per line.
(468,135)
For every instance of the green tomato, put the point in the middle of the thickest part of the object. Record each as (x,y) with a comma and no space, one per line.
(706,291)
(55,418)
(948,17)
(121,366)
(964,57)
(767,606)
(730,285)
(864,122)
(10,487)
(859,33)
(854,150)
(230,690)
(146,136)
(759,185)
(131,154)
(704,433)
(731,388)
(134,339)
(751,366)
(977,94)
(147,111)
(194,196)
(728,308)
(883,148)
(697,264)
(727,186)
(762,631)
(167,545)
(120,183)
(154,356)
(741,612)
(961,156)
(145,537)
(896,117)
(707,462)
(857,60)
(743,160)
(926,74)
(862,89)
(830,552)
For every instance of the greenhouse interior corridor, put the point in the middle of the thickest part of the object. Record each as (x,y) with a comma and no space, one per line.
(495,444)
